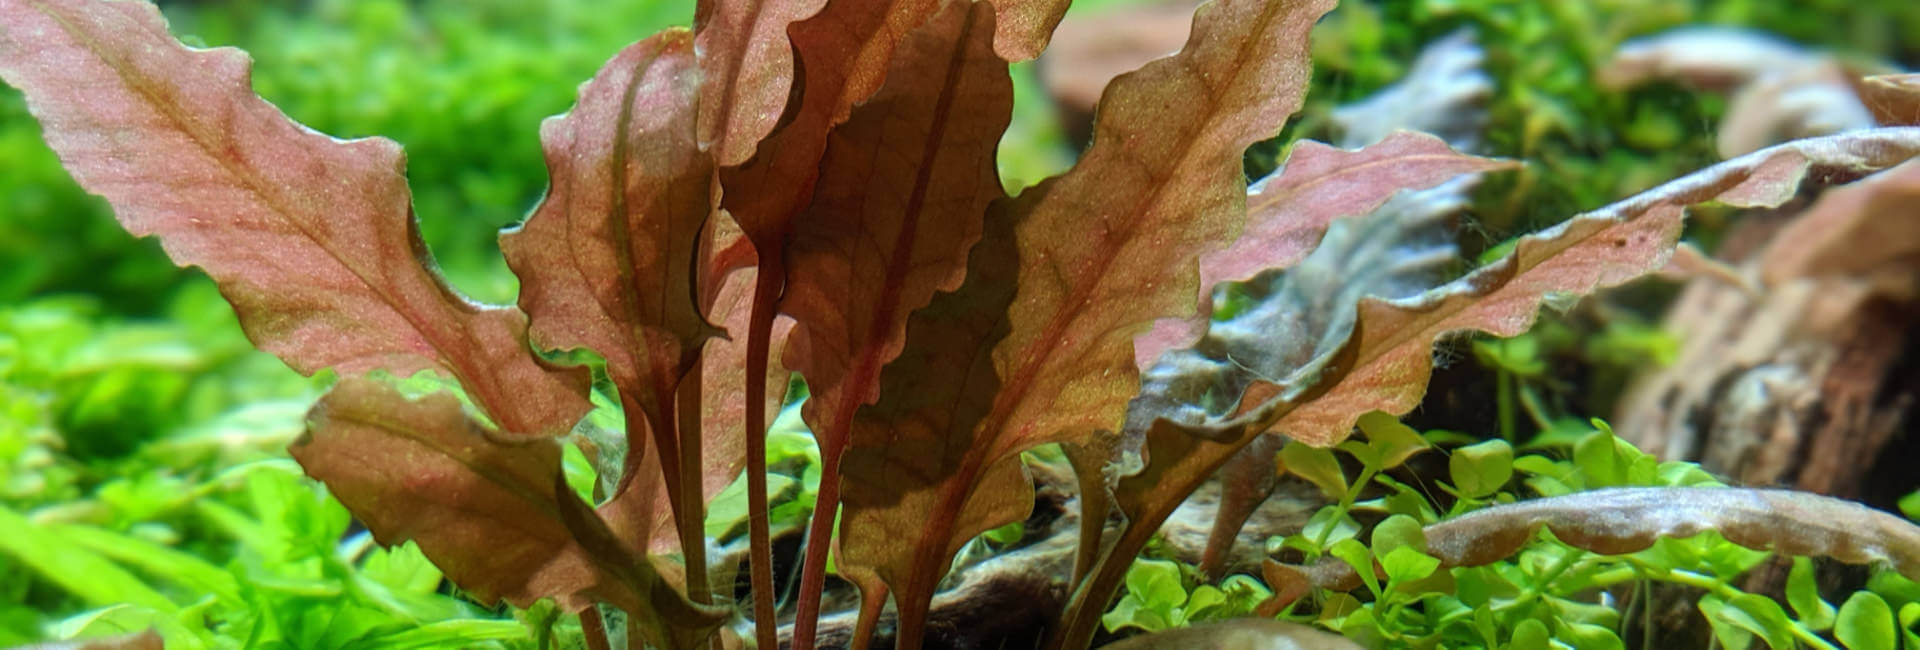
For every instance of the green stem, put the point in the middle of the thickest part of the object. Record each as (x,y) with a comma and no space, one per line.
(1538,587)
(1345,505)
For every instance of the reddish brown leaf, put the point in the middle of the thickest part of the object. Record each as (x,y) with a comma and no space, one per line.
(844,51)
(1089,49)
(1101,252)
(1385,365)
(1894,99)
(1112,244)
(489,510)
(311,238)
(1289,211)
(746,66)
(886,231)
(899,199)
(606,262)
(1024,26)
(1856,229)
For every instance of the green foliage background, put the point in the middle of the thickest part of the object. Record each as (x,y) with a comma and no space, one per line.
(142,474)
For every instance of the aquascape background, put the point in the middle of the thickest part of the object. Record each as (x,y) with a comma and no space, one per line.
(949,324)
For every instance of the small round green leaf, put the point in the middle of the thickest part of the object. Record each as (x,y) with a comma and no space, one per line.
(1865,622)
(1398,531)
(1481,469)
(1804,597)
(1317,466)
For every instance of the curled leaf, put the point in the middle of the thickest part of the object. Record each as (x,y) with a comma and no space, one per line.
(1047,347)
(311,238)
(885,232)
(747,71)
(1024,26)
(492,512)
(1386,363)
(606,261)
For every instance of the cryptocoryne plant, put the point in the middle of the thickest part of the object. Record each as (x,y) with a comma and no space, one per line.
(807,186)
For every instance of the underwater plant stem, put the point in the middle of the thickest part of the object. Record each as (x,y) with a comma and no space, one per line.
(1083,612)
(692,529)
(593,629)
(766,291)
(1538,587)
(813,568)
(1346,505)
(871,605)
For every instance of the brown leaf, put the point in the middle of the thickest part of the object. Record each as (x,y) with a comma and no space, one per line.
(489,510)
(902,189)
(1099,253)
(607,260)
(1385,365)
(746,66)
(1289,211)
(1893,98)
(1090,49)
(1024,26)
(311,238)
(1853,230)
(844,51)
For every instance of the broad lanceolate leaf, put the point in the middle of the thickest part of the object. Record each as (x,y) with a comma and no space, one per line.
(607,261)
(490,511)
(902,191)
(1101,252)
(1385,365)
(311,238)
(844,51)
(1289,211)
(746,66)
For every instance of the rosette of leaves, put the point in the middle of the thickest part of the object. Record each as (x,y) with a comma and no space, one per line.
(942,327)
